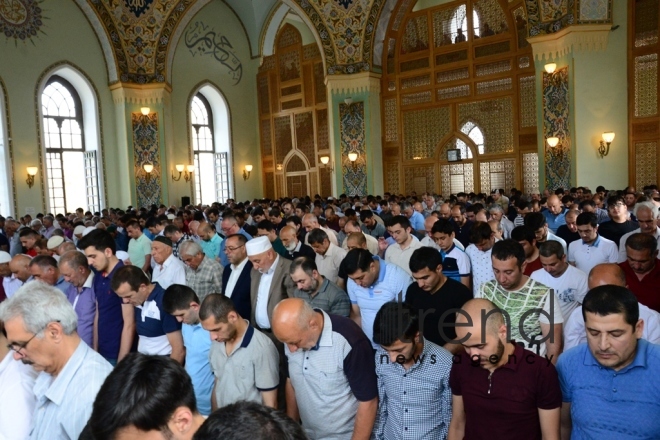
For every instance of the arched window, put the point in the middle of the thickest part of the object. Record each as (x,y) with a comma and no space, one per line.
(473,131)
(6,206)
(210,140)
(459,21)
(66,155)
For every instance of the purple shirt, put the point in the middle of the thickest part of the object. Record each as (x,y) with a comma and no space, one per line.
(84,303)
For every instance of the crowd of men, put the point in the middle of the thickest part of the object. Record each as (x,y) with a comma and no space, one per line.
(395,317)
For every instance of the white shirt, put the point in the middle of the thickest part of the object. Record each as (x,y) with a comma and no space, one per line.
(570,288)
(552,236)
(429,242)
(372,244)
(172,271)
(11,285)
(586,256)
(576,334)
(233,277)
(622,244)
(328,264)
(482,267)
(16,398)
(401,257)
(261,308)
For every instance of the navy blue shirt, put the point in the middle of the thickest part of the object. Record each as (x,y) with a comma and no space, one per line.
(155,324)
(111,321)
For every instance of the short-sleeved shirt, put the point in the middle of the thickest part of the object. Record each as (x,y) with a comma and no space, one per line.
(198,343)
(482,267)
(252,367)
(507,401)
(586,256)
(535,265)
(138,249)
(111,321)
(570,288)
(647,290)
(330,298)
(395,254)
(328,264)
(554,220)
(532,296)
(377,232)
(211,247)
(455,263)
(452,295)
(622,243)
(608,404)
(153,324)
(417,221)
(565,234)
(330,379)
(391,281)
(172,271)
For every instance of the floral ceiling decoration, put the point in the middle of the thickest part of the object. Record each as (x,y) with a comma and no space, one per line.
(21,20)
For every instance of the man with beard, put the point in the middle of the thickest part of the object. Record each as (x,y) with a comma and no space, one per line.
(317,290)
(41,328)
(244,360)
(483,403)
(294,247)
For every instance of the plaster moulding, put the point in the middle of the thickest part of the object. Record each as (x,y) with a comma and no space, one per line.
(587,37)
(358,82)
(140,94)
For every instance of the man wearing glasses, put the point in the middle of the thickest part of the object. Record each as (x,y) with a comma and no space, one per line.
(620,223)
(230,226)
(41,328)
(236,275)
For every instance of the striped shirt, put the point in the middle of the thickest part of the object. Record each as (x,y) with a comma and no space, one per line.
(455,263)
(64,402)
(414,403)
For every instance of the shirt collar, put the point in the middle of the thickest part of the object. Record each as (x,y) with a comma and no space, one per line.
(58,387)
(595,243)
(382,269)
(90,281)
(167,261)
(325,340)
(298,246)
(273,266)
(247,337)
(638,361)
(239,267)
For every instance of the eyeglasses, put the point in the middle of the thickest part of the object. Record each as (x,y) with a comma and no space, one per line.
(232,249)
(18,347)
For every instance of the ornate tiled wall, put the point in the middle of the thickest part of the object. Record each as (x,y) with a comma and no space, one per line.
(556,117)
(423,130)
(495,118)
(146,150)
(530,171)
(646,163)
(352,133)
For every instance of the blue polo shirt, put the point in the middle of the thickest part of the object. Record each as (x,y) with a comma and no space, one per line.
(417,221)
(111,321)
(608,404)
(198,343)
(554,221)
(153,324)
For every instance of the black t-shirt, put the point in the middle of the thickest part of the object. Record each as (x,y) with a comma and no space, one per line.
(451,296)
(4,241)
(566,234)
(614,231)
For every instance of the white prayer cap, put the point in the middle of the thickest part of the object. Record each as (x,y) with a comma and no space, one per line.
(122,255)
(78,230)
(257,246)
(4,257)
(171,216)
(54,242)
(88,229)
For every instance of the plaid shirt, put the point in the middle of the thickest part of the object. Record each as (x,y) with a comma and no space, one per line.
(206,279)
(175,246)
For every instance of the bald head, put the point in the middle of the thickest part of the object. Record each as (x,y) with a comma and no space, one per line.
(554,204)
(309,222)
(606,273)
(288,232)
(429,222)
(474,312)
(296,324)
(20,267)
(356,240)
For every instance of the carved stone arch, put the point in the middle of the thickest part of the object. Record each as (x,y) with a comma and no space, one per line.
(449,142)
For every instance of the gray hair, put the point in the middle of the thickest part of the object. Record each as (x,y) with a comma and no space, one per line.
(495,207)
(646,205)
(36,222)
(39,304)
(190,248)
(405,205)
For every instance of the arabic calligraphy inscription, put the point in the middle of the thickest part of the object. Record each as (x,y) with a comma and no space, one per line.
(203,40)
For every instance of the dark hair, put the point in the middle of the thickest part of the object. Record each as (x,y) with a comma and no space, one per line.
(610,299)
(267,225)
(316,235)
(99,240)
(171,229)
(587,218)
(460,206)
(242,239)
(43,261)
(443,226)
(294,219)
(365,214)
(275,212)
(305,263)
(358,259)
(642,242)
(480,231)
(178,297)
(584,203)
(141,391)
(613,200)
(400,220)
(425,257)
(535,220)
(520,233)
(395,321)
(551,247)
(249,421)
(216,305)
(132,275)
(28,231)
(505,249)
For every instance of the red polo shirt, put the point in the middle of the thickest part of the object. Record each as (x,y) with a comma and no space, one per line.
(533,266)
(506,405)
(647,290)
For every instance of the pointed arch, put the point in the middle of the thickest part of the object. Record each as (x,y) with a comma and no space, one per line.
(7,189)
(296,159)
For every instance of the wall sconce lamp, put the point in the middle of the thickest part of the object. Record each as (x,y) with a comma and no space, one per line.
(279,167)
(145,110)
(325,160)
(148,168)
(550,68)
(31,172)
(604,148)
(353,156)
(552,141)
(247,171)
(186,169)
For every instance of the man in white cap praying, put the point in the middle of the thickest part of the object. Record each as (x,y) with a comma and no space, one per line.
(271,282)
(53,245)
